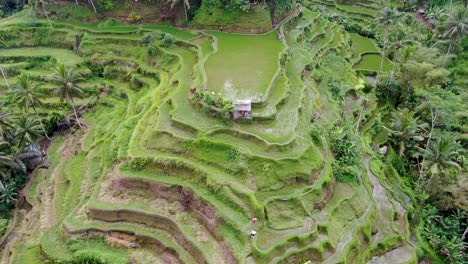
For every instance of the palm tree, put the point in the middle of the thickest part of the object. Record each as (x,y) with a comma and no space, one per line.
(5,123)
(27,130)
(8,193)
(405,54)
(9,164)
(6,162)
(388,17)
(439,159)
(398,40)
(440,155)
(67,80)
(403,128)
(456,26)
(26,95)
(435,15)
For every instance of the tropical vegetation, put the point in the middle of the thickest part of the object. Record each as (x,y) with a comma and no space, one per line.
(117,142)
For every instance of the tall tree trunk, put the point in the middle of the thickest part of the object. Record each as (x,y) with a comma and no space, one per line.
(434,115)
(74,111)
(383,50)
(40,121)
(4,77)
(45,13)
(76,1)
(359,119)
(92,4)
(448,52)
(272,12)
(185,10)
(394,62)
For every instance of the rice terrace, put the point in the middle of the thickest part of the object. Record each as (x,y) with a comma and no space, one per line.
(195,131)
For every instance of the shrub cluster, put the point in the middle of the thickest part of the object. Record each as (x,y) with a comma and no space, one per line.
(349,26)
(215,104)
(346,153)
(134,17)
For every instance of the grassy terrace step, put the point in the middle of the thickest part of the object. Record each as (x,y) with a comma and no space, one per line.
(284,243)
(357,10)
(67,57)
(185,236)
(164,123)
(91,28)
(371,63)
(304,238)
(215,197)
(254,145)
(346,12)
(277,96)
(204,174)
(141,235)
(346,223)
(158,168)
(362,44)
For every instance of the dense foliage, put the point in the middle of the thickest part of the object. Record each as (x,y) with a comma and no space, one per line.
(422,111)
(425,96)
(22,127)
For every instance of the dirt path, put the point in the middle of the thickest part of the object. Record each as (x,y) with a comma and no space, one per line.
(422,19)
(403,253)
(384,206)
(419,14)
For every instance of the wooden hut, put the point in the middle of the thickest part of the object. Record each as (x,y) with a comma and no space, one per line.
(242,109)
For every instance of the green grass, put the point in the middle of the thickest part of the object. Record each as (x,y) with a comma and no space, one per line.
(97,248)
(31,255)
(357,10)
(178,33)
(70,11)
(243,66)
(267,168)
(371,62)
(215,17)
(64,56)
(362,44)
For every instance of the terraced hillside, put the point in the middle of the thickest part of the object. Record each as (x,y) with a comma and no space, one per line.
(152,167)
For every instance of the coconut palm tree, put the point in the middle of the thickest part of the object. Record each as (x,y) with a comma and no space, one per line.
(5,123)
(435,14)
(8,193)
(67,80)
(9,164)
(388,17)
(440,156)
(456,26)
(6,161)
(398,41)
(26,95)
(404,127)
(27,130)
